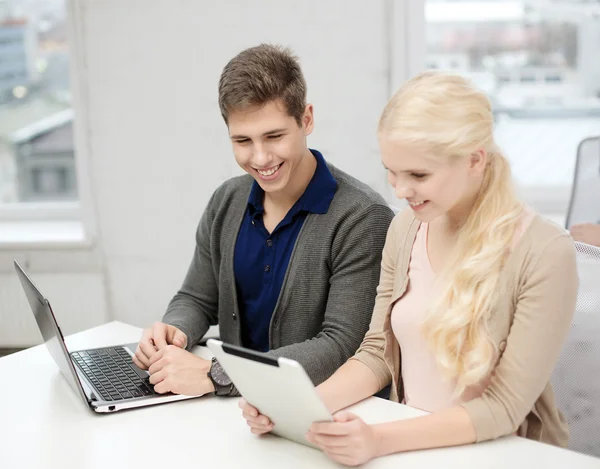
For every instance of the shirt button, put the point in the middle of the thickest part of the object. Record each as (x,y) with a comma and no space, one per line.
(234,316)
(267,268)
(269,242)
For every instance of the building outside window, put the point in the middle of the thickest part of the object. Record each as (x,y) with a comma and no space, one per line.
(37,161)
(539,62)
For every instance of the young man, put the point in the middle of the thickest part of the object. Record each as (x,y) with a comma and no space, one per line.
(287,257)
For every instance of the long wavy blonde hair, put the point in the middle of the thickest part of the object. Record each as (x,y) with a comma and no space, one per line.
(446,116)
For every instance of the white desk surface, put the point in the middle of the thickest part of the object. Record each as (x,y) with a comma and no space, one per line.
(44,424)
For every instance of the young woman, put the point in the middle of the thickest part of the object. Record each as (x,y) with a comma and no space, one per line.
(476,292)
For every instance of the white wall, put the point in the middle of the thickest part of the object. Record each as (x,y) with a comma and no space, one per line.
(71,279)
(152,146)
(157,144)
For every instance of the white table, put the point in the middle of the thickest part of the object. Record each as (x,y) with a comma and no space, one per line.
(43,424)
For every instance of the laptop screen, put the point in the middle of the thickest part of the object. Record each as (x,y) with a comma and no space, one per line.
(49,329)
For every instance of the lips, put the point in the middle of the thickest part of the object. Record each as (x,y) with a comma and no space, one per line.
(269,174)
(418,205)
(268,171)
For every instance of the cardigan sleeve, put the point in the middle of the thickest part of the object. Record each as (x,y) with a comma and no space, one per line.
(544,310)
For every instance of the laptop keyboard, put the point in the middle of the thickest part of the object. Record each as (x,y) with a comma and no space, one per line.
(112,374)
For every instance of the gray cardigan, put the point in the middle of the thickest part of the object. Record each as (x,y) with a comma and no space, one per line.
(328,293)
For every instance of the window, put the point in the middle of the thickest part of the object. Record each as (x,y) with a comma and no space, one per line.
(553,78)
(49,180)
(36,138)
(528,79)
(538,62)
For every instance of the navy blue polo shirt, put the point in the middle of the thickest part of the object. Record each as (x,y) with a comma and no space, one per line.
(261,259)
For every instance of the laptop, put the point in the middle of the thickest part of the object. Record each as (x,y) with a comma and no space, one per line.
(104,378)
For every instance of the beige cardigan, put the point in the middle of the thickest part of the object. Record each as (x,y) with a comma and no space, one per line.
(530,325)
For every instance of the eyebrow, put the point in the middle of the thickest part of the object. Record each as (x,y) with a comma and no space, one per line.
(418,171)
(266,134)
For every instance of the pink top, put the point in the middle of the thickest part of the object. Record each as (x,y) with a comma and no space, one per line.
(425,386)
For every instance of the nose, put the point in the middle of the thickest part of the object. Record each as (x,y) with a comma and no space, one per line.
(260,156)
(403,192)
(401,188)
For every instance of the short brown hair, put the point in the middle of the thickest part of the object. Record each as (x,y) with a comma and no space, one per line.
(261,74)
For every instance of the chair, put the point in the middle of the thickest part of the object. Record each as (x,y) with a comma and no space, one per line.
(576,378)
(584,206)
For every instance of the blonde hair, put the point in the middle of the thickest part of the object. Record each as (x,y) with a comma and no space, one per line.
(446,116)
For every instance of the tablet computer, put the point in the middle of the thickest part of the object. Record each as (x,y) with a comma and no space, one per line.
(278,387)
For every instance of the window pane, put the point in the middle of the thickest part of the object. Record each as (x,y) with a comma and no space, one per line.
(538,62)
(36,119)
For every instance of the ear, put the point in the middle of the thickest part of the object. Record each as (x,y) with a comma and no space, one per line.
(478,160)
(308,120)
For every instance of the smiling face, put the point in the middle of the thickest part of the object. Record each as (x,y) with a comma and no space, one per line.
(269,144)
(432,186)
